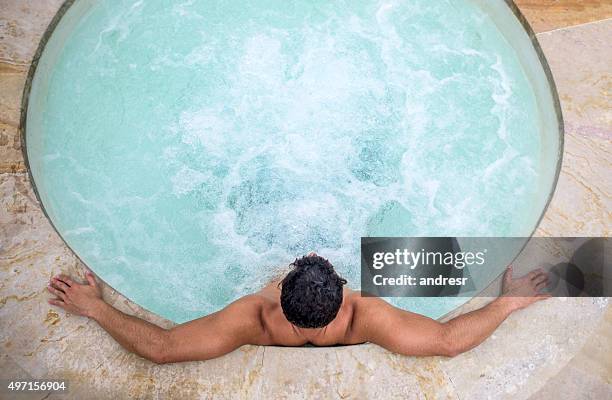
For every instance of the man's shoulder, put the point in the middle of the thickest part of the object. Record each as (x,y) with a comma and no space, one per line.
(260,306)
(253,302)
(249,311)
(364,307)
(358,300)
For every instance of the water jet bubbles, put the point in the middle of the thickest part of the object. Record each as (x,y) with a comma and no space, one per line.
(271,129)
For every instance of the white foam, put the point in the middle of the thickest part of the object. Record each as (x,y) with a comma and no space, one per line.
(509,155)
(187,180)
(206,129)
(294,134)
(501,97)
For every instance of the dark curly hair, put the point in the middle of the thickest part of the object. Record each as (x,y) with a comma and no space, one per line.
(311,293)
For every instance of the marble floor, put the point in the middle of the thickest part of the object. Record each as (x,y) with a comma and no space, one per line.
(556,349)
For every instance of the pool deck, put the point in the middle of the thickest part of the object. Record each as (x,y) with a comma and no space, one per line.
(556,349)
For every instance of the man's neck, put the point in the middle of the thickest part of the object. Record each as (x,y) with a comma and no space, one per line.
(309,334)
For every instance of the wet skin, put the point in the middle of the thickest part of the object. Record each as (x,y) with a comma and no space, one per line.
(258,319)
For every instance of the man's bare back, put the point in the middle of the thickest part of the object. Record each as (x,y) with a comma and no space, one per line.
(262,318)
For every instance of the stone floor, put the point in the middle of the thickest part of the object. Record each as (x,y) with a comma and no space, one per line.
(556,349)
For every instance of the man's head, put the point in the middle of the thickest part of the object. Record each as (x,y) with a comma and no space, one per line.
(311,293)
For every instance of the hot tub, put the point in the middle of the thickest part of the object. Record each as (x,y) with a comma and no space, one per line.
(188,151)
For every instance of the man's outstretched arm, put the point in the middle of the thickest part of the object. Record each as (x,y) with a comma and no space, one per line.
(202,339)
(412,334)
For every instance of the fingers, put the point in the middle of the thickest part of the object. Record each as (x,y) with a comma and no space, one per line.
(543,296)
(539,276)
(91,279)
(56,302)
(61,295)
(536,272)
(541,285)
(540,280)
(508,274)
(56,283)
(64,278)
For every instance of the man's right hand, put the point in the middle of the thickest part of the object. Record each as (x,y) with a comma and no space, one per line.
(523,291)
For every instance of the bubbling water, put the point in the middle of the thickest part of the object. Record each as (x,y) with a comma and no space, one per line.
(199,148)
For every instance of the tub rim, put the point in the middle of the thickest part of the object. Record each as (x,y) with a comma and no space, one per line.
(455,311)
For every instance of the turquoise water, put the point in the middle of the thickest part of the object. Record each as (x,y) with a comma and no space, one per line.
(191,150)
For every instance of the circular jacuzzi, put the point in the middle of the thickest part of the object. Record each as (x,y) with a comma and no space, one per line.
(188,151)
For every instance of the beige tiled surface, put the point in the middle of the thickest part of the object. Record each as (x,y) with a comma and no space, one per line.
(580,60)
(11,86)
(529,353)
(21,27)
(546,15)
(581,67)
(589,374)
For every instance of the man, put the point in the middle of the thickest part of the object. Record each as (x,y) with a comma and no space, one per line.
(310,305)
